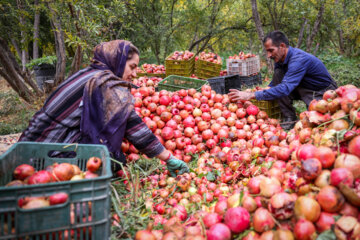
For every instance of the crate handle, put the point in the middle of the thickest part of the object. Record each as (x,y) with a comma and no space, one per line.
(61,154)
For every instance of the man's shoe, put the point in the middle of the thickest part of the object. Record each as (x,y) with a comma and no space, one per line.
(288,123)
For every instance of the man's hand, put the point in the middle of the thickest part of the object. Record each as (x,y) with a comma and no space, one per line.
(236,95)
(174,164)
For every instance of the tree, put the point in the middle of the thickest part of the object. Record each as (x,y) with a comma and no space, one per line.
(260,31)
(316,27)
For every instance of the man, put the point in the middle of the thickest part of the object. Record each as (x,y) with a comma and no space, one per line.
(297,76)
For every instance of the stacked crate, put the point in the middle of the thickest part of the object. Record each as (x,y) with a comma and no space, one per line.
(248,69)
(206,69)
(179,67)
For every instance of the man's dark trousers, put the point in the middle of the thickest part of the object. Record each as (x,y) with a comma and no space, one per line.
(299,93)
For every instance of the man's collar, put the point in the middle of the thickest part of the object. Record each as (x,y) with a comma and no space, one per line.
(288,55)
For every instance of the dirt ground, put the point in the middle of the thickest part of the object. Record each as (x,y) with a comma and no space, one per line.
(6,141)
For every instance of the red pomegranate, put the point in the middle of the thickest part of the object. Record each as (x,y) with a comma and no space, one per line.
(237,219)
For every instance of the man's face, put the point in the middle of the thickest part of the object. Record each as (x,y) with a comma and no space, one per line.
(277,54)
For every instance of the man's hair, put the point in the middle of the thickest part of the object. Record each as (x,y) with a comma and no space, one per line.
(133,50)
(277,37)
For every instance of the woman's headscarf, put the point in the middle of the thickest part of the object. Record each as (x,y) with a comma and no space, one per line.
(111,56)
(107,101)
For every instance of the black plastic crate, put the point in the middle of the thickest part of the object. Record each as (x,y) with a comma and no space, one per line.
(251,81)
(223,84)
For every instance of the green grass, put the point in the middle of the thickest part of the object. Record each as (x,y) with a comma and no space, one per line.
(14,113)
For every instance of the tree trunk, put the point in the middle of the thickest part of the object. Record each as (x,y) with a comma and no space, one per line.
(59,46)
(301,33)
(24,54)
(339,29)
(316,49)
(76,63)
(316,28)
(260,32)
(11,75)
(36,30)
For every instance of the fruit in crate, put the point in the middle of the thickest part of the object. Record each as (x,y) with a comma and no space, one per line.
(194,76)
(147,81)
(181,55)
(242,55)
(153,68)
(26,174)
(209,57)
(223,72)
(139,70)
(32,202)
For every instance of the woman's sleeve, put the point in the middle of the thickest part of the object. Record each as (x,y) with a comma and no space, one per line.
(141,136)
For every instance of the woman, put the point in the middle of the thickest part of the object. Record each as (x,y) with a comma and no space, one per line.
(95,106)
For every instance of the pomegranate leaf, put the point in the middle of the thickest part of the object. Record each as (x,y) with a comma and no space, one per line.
(210,176)
(327,235)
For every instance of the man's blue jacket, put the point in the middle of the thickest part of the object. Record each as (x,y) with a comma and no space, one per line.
(302,69)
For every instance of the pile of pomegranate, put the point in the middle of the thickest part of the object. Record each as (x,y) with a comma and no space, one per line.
(194,76)
(26,174)
(181,55)
(153,68)
(223,72)
(242,55)
(249,178)
(145,81)
(139,70)
(209,57)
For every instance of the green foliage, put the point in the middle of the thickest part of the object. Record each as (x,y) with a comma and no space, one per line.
(344,70)
(43,60)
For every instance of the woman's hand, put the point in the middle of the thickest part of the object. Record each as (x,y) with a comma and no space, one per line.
(174,164)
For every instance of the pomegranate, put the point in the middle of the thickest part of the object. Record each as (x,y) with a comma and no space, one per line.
(93,164)
(219,231)
(63,172)
(58,198)
(330,199)
(308,208)
(180,212)
(326,156)
(237,219)
(252,110)
(282,234)
(354,146)
(23,171)
(211,219)
(341,175)
(304,230)
(306,151)
(281,206)
(221,207)
(41,177)
(325,221)
(36,203)
(349,161)
(263,220)
(323,179)
(310,168)
(269,186)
